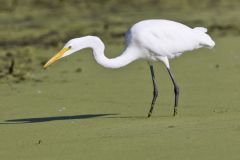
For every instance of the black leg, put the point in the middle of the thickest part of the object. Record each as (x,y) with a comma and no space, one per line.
(176,91)
(155,91)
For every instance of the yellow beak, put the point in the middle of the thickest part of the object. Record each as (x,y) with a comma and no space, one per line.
(56,57)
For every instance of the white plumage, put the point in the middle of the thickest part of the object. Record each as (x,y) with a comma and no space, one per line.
(167,38)
(152,40)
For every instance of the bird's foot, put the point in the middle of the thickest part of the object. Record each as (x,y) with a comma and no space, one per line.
(149,114)
(175,111)
(150,111)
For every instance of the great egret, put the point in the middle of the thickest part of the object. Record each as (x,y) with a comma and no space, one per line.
(151,40)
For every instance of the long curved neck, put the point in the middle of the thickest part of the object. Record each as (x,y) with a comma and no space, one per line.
(128,56)
(124,59)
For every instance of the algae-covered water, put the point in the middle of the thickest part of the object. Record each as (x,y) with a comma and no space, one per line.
(77,109)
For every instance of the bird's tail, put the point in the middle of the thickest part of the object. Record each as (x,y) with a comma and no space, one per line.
(205,39)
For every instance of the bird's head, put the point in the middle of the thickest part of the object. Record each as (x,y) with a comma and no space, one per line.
(73,46)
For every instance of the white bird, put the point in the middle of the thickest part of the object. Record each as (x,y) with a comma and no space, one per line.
(151,40)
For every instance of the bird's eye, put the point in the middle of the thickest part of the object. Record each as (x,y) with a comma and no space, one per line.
(69,47)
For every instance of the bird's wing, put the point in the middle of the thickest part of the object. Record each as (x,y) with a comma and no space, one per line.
(168,41)
(167,38)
